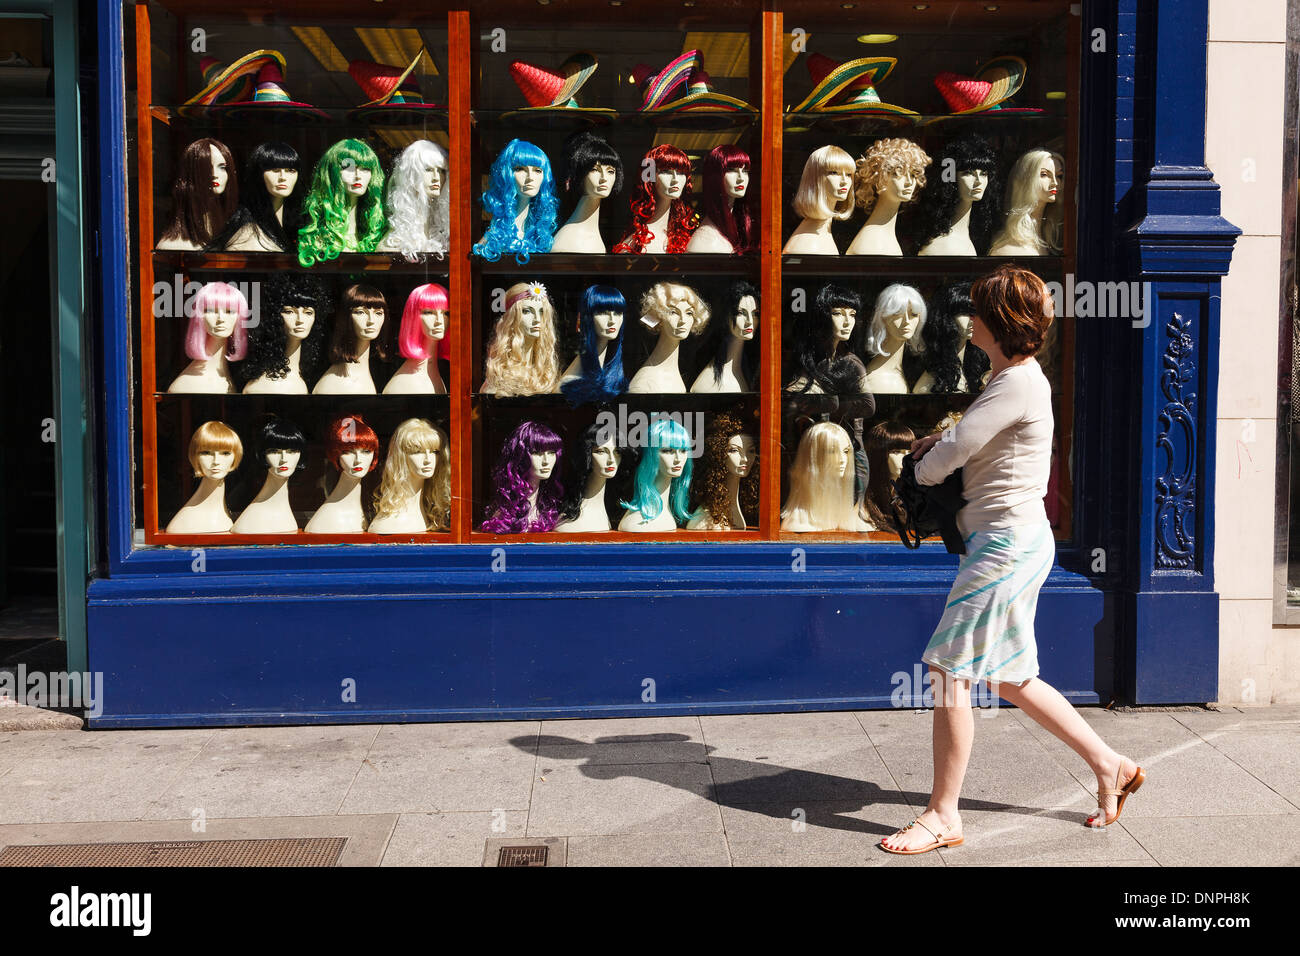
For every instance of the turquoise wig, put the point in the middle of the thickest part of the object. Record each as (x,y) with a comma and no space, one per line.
(664,433)
(501,237)
(324,233)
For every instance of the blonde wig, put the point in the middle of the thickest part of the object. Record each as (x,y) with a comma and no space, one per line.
(1021,228)
(881,160)
(412,436)
(658,300)
(215,436)
(511,370)
(814,199)
(820,499)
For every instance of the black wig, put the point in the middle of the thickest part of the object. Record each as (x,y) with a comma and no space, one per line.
(579,470)
(813,344)
(268,342)
(720,336)
(256,210)
(933,214)
(280,433)
(944,340)
(581,151)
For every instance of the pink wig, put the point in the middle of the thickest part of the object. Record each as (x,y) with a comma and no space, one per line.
(224,297)
(410,338)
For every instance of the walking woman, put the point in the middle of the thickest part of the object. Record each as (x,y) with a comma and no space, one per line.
(1004,445)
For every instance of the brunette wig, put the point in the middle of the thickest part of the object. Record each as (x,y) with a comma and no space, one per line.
(732,216)
(944,340)
(813,342)
(344,346)
(348,432)
(720,336)
(507,511)
(268,341)
(709,487)
(937,205)
(256,212)
(198,213)
(682,219)
(579,470)
(883,438)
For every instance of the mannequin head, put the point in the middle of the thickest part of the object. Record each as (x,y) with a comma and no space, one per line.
(677,310)
(975,164)
(270,181)
(1013,311)
(821,482)
(425,317)
(1034,186)
(205,193)
(519,160)
(591,168)
(946,332)
(671,182)
(898,317)
(417,201)
(823,355)
(347,174)
(592,456)
(215,451)
(218,310)
(729,449)
(513,482)
(891,169)
(603,307)
(294,306)
(417,454)
(358,323)
(740,310)
(826,187)
(280,447)
(351,446)
(521,359)
(726,196)
(667,451)
(886,444)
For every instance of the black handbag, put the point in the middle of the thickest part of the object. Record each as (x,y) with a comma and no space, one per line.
(924,510)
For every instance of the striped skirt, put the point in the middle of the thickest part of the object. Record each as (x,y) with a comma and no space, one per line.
(987,629)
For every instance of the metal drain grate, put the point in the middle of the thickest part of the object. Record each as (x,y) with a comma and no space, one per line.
(522,856)
(312,851)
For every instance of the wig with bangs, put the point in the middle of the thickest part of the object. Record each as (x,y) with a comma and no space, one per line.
(268,342)
(583,151)
(944,341)
(324,234)
(412,343)
(411,437)
(732,217)
(818,360)
(937,206)
(820,499)
(346,433)
(218,295)
(894,299)
(596,382)
(256,216)
(280,434)
(418,222)
(215,436)
(882,440)
(682,218)
(345,346)
(881,160)
(814,199)
(664,433)
(512,369)
(508,509)
(657,303)
(501,237)
(198,213)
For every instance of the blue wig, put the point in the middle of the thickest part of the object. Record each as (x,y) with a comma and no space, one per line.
(664,433)
(598,383)
(499,202)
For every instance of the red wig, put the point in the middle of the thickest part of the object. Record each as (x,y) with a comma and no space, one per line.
(732,217)
(346,433)
(682,220)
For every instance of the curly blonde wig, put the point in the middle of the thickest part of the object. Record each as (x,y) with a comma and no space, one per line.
(657,302)
(883,158)
(511,368)
(813,199)
(412,436)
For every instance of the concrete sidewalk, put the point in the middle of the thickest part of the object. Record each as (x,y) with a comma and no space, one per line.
(779,789)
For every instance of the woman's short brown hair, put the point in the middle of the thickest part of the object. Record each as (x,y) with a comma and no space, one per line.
(1013,304)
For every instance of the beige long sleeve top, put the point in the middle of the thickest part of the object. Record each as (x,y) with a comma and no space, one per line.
(1004,445)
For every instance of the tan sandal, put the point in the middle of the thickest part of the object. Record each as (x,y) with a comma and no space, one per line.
(935,844)
(1123,792)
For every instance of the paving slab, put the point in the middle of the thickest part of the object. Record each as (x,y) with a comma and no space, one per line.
(827,834)
(650,849)
(449,839)
(1245,840)
(794,772)
(593,800)
(895,726)
(1269,753)
(621,730)
(654,751)
(778,726)
(1043,839)
(474,733)
(402,778)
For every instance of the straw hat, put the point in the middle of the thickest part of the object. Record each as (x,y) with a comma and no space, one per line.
(231,83)
(552,95)
(849,87)
(393,93)
(993,83)
(685,73)
(270,99)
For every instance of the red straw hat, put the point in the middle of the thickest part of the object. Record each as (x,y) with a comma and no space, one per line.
(393,93)
(993,84)
(551,95)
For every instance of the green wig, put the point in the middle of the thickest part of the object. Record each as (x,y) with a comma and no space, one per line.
(325,211)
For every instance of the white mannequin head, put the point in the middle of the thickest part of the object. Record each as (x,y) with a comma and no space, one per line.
(220,172)
(971,184)
(736,182)
(280,183)
(542,463)
(740,455)
(298,320)
(605,459)
(215,451)
(745,321)
(528,181)
(674,311)
(897,319)
(607,325)
(826,187)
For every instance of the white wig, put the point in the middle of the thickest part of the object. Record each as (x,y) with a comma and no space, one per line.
(893,300)
(417,222)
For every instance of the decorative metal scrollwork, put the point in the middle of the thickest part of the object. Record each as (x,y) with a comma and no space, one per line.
(1176,486)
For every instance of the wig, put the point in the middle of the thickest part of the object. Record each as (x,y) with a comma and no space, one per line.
(256,211)
(943,341)
(813,341)
(664,433)
(349,432)
(411,340)
(225,297)
(512,370)
(280,434)
(412,436)
(720,336)
(345,346)
(709,490)
(733,217)
(814,199)
(682,219)
(269,342)
(1021,228)
(819,498)
(215,436)
(657,303)
(324,233)
(198,213)
(417,221)
(501,237)
(582,151)
(882,159)
(883,439)
(596,382)
(894,299)
(579,470)
(937,206)
(507,511)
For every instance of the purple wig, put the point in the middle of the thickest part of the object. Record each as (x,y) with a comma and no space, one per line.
(410,338)
(507,512)
(222,296)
